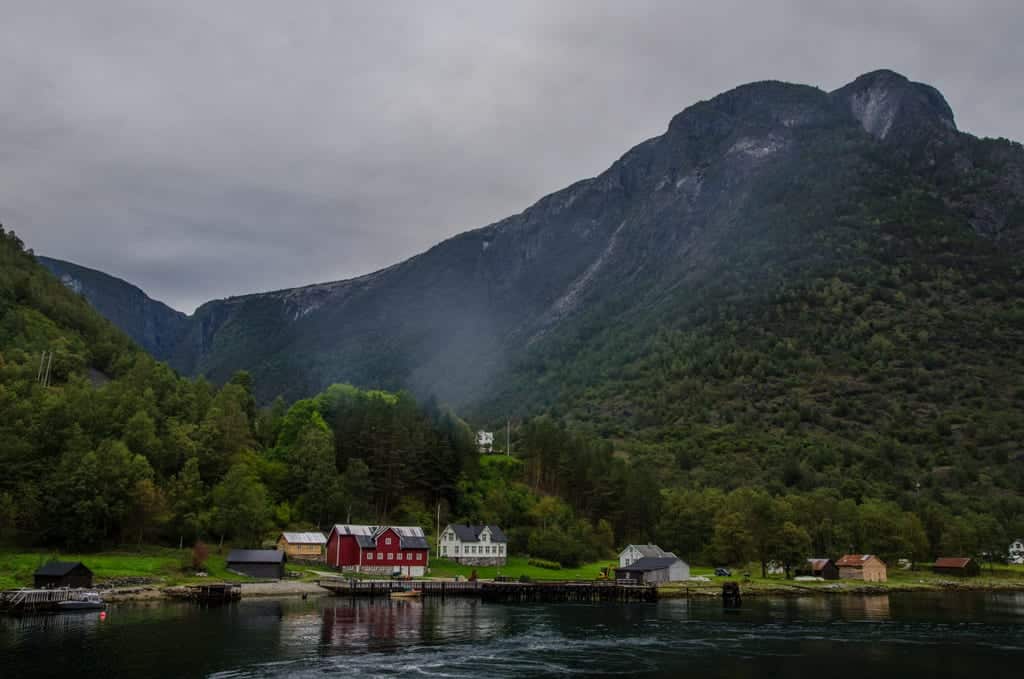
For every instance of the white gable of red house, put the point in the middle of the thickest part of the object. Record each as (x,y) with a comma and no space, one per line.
(360,547)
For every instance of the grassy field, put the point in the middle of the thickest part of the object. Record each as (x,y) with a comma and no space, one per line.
(168,566)
(164,564)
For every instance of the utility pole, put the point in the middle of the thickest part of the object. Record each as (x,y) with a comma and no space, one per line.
(438,534)
(508,437)
(45,366)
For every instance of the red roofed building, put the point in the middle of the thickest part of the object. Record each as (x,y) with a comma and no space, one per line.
(866,567)
(957,565)
(379,549)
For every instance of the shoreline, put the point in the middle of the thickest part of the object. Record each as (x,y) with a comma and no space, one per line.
(157,593)
(834,588)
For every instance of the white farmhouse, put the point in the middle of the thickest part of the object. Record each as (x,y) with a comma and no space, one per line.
(633,553)
(1015,554)
(474,545)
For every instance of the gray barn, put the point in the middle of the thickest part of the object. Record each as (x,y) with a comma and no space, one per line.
(257,563)
(655,569)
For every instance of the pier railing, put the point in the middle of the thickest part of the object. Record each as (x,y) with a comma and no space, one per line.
(29,599)
(589,590)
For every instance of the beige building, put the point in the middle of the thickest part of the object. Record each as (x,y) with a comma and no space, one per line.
(302,546)
(866,567)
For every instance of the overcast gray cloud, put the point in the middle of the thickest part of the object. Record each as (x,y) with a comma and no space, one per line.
(204,149)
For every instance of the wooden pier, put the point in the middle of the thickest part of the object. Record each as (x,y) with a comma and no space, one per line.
(353,587)
(37,600)
(496,591)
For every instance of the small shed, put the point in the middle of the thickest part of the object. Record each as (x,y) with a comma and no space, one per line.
(866,567)
(633,553)
(302,546)
(655,569)
(257,563)
(957,565)
(821,568)
(63,574)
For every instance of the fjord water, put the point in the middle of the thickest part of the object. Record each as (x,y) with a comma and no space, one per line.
(899,635)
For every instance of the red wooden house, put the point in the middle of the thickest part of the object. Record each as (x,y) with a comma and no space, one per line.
(379,549)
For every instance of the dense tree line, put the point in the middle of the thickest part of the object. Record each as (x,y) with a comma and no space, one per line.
(118,448)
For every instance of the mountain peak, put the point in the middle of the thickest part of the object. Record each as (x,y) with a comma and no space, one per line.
(891,107)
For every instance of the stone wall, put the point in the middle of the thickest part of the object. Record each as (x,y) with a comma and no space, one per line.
(480,560)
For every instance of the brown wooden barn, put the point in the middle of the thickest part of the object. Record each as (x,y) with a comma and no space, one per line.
(63,574)
(957,565)
(821,568)
(866,567)
(302,546)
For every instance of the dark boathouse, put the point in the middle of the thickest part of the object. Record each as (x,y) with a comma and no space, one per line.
(257,563)
(962,566)
(63,574)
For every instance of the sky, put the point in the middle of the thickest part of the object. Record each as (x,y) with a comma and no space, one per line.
(208,148)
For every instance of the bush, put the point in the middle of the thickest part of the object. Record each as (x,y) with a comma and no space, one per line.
(200,553)
(544,563)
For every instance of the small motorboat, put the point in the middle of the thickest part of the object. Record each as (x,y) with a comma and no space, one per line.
(406,594)
(90,601)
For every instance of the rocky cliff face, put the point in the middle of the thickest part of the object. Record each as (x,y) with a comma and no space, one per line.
(742,183)
(153,325)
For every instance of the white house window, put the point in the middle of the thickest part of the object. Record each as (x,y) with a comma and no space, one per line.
(369,557)
(399,556)
(380,555)
(387,541)
(419,557)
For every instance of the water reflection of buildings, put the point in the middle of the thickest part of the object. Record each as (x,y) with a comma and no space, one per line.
(840,607)
(377,624)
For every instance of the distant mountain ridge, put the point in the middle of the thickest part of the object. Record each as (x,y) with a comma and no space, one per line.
(153,325)
(741,194)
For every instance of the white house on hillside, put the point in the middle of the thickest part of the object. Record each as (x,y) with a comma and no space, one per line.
(485,441)
(1016,552)
(474,545)
(633,553)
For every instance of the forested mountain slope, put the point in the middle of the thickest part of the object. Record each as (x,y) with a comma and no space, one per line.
(798,287)
(768,189)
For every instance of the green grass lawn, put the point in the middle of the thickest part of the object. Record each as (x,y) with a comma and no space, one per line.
(167,566)
(164,564)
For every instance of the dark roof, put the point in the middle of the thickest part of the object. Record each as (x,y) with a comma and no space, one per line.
(819,563)
(59,568)
(471,533)
(647,550)
(952,562)
(255,556)
(415,542)
(365,541)
(650,563)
